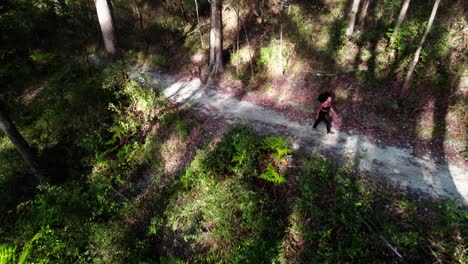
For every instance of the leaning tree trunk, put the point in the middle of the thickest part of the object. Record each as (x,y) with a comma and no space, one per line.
(107,26)
(364,8)
(216,38)
(352,18)
(401,17)
(26,152)
(405,89)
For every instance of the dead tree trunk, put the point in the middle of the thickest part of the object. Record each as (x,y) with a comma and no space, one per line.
(26,152)
(216,38)
(406,84)
(107,26)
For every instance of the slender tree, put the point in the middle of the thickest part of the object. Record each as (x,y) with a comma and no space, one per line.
(198,25)
(107,26)
(26,152)
(399,21)
(363,15)
(405,88)
(216,38)
(352,18)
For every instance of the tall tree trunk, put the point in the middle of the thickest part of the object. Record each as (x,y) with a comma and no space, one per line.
(352,18)
(107,26)
(237,39)
(280,57)
(250,54)
(363,15)
(139,15)
(401,17)
(216,38)
(406,84)
(26,152)
(198,25)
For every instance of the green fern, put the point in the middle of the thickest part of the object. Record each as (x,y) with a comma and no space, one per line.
(271,175)
(279,146)
(7,254)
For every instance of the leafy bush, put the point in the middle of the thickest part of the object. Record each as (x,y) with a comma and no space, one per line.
(270,57)
(350,219)
(236,153)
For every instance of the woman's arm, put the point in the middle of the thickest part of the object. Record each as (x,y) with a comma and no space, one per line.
(332,110)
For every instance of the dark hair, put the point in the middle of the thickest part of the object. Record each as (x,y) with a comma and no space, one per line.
(324,96)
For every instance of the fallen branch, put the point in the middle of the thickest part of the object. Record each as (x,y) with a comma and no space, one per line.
(392,248)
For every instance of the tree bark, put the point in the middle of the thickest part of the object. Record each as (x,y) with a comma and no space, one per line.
(26,152)
(280,57)
(216,38)
(363,15)
(352,18)
(401,17)
(198,25)
(107,26)
(405,89)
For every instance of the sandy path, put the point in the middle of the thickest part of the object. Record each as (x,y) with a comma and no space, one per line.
(397,165)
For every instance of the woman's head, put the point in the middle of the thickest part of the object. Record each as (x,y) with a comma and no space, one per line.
(323,97)
(329,99)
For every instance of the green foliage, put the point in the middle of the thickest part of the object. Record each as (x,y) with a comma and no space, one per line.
(235,153)
(276,57)
(277,145)
(348,215)
(7,254)
(272,176)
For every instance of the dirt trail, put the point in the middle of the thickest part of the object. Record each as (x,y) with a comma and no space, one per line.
(397,165)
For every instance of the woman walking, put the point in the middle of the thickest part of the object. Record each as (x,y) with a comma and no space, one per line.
(323,112)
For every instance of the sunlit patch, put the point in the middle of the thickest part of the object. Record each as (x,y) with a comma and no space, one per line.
(173,152)
(197,57)
(277,57)
(294,241)
(425,126)
(184,91)
(31,94)
(243,56)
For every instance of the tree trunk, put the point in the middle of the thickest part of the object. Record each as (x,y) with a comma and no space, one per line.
(139,15)
(216,38)
(363,15)
(406,84)
(26,152)
(107,26)
(237,39)
(401,17)
(281,40)
(198,25)
(352,18)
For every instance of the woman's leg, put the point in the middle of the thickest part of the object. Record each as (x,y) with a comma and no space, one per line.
(328,121)
(319,119)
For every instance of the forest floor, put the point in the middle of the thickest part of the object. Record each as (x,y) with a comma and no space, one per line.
(383,157)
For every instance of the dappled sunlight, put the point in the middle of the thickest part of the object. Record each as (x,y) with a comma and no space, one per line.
(243,56)
(425,126)
(277,57)
(293,243)
(31,94)
(173,152)
(198,57)
(153,150)
(397,164)
(184,91)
